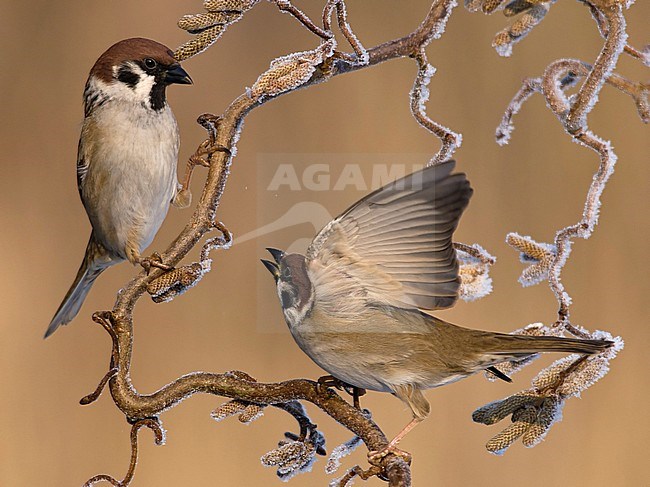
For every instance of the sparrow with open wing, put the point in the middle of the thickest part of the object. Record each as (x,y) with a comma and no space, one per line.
(354,302)
(126,162)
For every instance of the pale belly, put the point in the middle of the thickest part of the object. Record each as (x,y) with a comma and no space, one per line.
(130,183)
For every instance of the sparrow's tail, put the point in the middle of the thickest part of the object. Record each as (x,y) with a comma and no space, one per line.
(500,347)
(94,263)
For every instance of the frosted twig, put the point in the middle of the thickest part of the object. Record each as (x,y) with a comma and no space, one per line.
(572,114)
(553,88)
(603,28)
(201,157)
(576,120)
(585,226)
(153,424)
(536,410)
(343,450)
(419,96)
(356,471)
(361,55)
(505,128)
(288,7)
(559,76)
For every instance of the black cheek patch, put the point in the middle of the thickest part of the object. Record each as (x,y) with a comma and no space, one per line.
(125,75)
(287,299)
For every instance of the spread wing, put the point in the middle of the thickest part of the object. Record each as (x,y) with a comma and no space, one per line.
(394,246)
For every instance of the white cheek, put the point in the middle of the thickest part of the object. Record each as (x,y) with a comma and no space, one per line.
(120,91)
(292,316)
(143,88)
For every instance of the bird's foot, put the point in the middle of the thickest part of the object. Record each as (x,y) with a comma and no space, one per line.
(154,260)
(210,123)
(330,381)
(376,456)
(201,157)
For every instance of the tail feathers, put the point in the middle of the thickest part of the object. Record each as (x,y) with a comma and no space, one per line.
(515,346)
(92,266)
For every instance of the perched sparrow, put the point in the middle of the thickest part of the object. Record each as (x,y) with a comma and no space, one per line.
(126,164)
(353,302)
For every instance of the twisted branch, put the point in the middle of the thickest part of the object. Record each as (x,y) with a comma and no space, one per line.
(535,410)
(159,438)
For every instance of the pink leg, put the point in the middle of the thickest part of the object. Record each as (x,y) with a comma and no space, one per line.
(375,456)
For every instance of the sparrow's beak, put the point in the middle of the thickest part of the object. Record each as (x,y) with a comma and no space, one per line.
(277,254)
(176,74)
(273,268)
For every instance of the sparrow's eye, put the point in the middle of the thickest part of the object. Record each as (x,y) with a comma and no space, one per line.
(150,63)
(286,273)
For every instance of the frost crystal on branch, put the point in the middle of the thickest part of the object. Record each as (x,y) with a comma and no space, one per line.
(441,23)
(334,460)
(474,271)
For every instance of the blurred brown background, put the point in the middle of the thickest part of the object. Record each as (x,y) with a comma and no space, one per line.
(533,186)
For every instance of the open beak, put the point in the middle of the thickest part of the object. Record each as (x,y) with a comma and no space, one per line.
(277,254)
(176,74)
(272,268)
